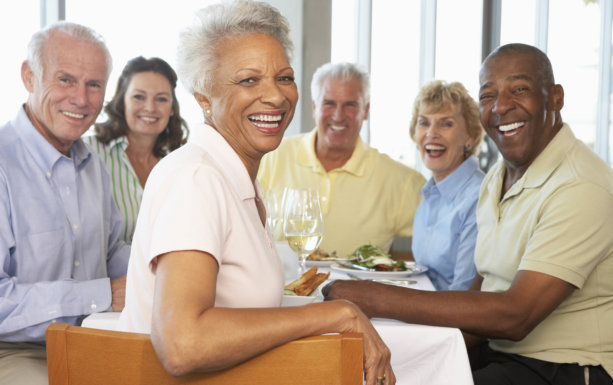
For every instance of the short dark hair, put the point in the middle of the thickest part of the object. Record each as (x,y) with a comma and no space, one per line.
(116,125)
(543,61)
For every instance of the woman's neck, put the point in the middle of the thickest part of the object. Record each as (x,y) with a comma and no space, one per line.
(142,159)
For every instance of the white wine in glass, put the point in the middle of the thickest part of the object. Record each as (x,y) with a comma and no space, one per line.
(303,223)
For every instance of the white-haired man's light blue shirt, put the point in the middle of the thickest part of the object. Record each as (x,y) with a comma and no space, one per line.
(60,233)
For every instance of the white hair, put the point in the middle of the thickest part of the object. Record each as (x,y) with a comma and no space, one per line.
(37,43)
(198,44)
(341,71)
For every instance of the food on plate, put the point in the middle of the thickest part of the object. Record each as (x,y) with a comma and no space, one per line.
(307,283)
(376,258)
(319,255)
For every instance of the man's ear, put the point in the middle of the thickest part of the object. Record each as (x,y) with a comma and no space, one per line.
(367,111)
(27,76)
(313,110)
(556,97)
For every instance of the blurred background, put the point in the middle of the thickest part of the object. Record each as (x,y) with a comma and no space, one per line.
(403,44)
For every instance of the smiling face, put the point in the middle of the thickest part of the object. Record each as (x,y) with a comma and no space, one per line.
(148,104)
(67,100)
(519,111)
(253,96)
(339,112)
(441,138)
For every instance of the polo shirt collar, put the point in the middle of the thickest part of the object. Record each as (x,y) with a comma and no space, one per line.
(44,154)
(223,154)
(306,156)
(454,182)
(543,166)
(550,158)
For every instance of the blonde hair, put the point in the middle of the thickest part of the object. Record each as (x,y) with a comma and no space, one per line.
(439,96)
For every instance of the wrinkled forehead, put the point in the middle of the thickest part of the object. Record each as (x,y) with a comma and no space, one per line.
(342,90)
(63,50)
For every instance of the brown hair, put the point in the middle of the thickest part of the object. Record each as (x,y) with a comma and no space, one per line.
(172,137)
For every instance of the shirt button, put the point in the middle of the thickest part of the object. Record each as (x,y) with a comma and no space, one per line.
(48,174)
(75,227)
(77,263)
(93,306)
(53,321)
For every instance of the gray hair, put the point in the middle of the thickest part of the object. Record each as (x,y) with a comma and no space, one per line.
(196,51)
(340,71)
(80,32)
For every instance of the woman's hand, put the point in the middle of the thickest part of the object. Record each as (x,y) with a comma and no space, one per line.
(377,366)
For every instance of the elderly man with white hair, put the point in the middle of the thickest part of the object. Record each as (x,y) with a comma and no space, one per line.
(366,196)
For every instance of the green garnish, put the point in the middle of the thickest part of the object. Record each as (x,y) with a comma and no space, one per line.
(375,257)
(289,292)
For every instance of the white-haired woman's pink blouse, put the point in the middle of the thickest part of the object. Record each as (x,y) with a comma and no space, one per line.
(200,197)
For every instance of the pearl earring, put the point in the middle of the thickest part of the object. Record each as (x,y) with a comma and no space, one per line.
(208,112)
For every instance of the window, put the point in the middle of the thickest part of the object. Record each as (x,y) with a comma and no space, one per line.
(142,27)
(134,28)
(409,43)
(570,31)
(15,37)
(573,53)
(394,77)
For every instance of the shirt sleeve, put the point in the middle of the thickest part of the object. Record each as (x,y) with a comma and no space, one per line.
(465,270)
(580,215)
(118,250)
(27,308)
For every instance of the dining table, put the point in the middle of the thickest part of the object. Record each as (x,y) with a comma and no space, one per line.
(421,354)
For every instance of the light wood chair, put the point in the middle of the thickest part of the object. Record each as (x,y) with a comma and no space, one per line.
(78,355)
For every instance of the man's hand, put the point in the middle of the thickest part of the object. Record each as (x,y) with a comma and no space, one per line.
(118,293)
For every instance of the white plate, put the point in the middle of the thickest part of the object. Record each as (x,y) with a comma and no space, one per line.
(298,300)
(327,263)
(413,269)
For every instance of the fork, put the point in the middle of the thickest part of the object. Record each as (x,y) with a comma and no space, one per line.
(406,282)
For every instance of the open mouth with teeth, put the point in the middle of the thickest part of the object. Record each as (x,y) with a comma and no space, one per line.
(73,115)
(511,128)
(334,127)
(434,150)
(148,119)
(267,122)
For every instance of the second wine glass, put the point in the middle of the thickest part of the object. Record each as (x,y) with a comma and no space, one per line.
(303,223)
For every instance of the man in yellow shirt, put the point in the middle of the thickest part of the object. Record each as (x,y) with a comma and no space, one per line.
(540,310)
(366,196)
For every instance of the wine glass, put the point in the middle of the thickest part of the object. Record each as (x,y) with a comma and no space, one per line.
(273,200)
(303,222)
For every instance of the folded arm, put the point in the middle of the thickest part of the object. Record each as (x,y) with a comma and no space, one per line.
(190,334)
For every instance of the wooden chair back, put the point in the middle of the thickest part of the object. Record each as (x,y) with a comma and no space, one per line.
(78,355)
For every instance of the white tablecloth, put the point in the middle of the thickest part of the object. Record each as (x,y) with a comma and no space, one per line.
(420,354)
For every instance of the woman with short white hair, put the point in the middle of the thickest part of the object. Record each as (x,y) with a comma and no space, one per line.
(204,277)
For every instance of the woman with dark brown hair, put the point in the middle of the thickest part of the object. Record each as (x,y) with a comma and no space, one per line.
(143,125)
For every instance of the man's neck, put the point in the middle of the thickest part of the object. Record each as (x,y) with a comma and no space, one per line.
(64,148)
(511,175)
(332,159)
